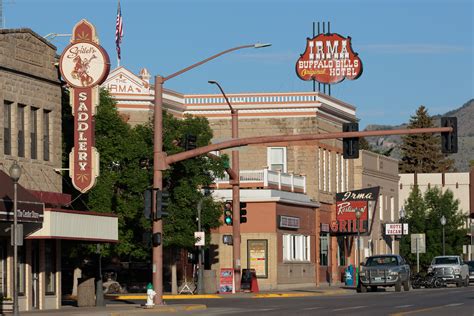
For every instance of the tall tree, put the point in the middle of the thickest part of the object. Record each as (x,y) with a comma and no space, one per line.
(126,155)
(424,213)
(421,153)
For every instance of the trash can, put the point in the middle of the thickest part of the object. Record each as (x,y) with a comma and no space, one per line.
(349,276)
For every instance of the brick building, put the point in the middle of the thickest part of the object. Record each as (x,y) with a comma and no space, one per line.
(296,180)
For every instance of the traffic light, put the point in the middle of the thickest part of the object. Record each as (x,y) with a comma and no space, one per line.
(243,212)
(449,140)
(148,203)
(228,212)
(161,206)
(190,142)
(350,146)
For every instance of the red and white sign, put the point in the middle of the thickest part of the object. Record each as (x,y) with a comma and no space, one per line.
(84,64)
(396,229)
(328,58)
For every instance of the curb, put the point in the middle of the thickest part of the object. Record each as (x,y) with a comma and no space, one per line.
(160,309)
(121,297)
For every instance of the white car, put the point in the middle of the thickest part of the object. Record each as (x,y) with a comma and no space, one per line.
(451,269)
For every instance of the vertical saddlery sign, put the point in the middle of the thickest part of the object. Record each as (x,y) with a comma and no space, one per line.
(84,65)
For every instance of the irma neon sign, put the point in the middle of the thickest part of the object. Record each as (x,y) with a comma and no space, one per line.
(348,204)
(328,59)
(84,64)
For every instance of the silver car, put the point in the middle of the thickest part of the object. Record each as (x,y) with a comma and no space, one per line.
(384,270)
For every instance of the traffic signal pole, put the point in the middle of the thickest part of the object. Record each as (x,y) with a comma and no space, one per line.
(236,202)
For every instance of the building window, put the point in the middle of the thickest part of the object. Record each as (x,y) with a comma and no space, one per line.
(34,133)
(276,158)
(329,172)
(21,130)
(323,249)
(381,207)
(296,248)
(320,171)
(392,208)
(46,135)
(7,127)
(324,171)
(50,267)
(3,265)
(341,251)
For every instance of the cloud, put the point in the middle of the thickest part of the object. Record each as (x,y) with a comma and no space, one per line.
(412,48)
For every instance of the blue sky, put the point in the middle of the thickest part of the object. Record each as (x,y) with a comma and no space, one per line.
(414,52)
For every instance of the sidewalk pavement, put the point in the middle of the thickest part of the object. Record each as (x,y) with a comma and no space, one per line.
(323,290)
(129,308)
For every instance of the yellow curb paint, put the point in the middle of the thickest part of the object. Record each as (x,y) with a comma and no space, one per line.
(195,307)
(167,297)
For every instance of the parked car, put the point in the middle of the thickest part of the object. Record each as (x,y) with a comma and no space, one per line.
(451,268)
(384,270)
(470,265)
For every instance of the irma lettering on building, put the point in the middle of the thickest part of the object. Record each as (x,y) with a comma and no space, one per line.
(328,59)
(348,204)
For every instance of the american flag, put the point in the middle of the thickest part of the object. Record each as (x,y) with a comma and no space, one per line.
(118,30)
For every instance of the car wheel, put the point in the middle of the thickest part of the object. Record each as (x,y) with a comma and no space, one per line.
(398,286)
(406,286)
(361,288)
(458,284)
(373,288)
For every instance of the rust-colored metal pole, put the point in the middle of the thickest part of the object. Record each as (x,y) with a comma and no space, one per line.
(157,254)
(236,202)
(295,138)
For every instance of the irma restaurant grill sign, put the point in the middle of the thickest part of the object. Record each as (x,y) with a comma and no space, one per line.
(84,65)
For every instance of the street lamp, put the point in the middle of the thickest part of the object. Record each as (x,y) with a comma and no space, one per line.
(15,174)
(358,214)
(159,163)
(235,191)
(443,222)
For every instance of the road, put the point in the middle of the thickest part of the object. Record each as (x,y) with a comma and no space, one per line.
(447,301)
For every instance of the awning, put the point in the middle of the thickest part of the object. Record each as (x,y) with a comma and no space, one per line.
(30,208)
(78,225)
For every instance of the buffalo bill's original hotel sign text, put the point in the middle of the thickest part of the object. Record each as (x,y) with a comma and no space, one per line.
(84,65)
(328,59)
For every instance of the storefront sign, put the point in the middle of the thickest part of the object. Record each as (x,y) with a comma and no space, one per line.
(257,257)
(84,64)
(329,58)
(348,204)
(226,280)
(289,222)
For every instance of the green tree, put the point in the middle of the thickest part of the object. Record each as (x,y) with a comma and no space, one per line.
(421,153)
(126,155)
(423,216)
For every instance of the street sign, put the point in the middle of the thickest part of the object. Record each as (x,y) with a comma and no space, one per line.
(418,241)
(200,238)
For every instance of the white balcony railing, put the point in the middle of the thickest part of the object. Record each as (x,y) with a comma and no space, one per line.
(267,179)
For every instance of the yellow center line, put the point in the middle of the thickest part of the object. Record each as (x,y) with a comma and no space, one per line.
(418,310)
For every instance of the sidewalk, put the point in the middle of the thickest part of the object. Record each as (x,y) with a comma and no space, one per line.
(322,290)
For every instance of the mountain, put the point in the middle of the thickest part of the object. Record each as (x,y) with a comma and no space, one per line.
(465,116)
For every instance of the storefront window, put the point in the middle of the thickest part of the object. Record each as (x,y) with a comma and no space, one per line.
(323,249)
(296,248)
(50,267)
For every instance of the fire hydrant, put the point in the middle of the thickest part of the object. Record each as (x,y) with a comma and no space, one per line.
(150,295)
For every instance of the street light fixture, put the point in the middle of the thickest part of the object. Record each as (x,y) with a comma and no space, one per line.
(443,222)
(358,214)
(235,191)
(15,174)
(159,163)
